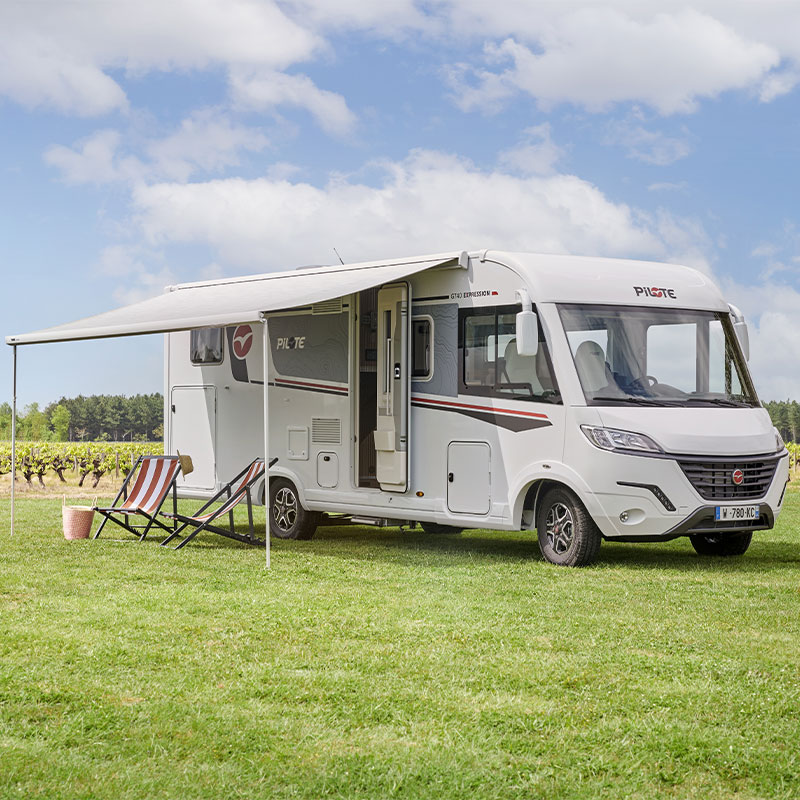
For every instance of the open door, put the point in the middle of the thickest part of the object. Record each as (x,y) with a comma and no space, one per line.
(393,395)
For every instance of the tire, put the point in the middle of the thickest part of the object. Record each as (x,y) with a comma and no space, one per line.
(568,536)
(287,518)
(730,544)
(436,528)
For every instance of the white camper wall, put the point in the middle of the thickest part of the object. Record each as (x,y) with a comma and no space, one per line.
(507,438)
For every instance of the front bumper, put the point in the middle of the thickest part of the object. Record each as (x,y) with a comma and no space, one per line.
(703,521)
(653,500)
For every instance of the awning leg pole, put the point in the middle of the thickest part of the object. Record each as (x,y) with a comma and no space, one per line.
(13,438)
(266,436)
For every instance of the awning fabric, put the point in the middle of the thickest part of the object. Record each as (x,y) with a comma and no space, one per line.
(236,300)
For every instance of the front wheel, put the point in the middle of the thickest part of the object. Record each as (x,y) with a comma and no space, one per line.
(568,536)
(287,518)
(710,544)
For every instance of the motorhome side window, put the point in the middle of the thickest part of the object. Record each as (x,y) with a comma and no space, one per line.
(205,346)
(490,364)
(421,348)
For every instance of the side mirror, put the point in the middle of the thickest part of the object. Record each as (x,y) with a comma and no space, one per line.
(527,333)
(743,335)
(740,327)
(527,326)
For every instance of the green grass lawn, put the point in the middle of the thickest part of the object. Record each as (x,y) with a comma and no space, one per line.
(377,663)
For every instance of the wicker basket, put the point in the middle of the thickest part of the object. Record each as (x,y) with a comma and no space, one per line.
(77,520)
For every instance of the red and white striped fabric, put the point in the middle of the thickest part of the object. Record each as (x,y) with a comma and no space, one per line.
(156,474)
(252,474)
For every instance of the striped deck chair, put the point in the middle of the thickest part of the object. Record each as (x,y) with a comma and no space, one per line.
(155,476)
(230,497)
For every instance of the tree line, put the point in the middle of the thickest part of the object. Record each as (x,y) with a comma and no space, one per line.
(96,418)
(140,418)
(785,415)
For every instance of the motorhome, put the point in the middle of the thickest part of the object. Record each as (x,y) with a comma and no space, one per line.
(581,398)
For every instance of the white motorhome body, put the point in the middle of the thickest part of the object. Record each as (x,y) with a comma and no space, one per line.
(411,401)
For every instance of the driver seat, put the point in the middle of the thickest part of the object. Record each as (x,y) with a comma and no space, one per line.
(590,361)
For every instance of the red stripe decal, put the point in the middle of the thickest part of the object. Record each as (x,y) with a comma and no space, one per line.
(488,409)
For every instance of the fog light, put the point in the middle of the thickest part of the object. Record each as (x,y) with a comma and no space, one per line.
(632,516)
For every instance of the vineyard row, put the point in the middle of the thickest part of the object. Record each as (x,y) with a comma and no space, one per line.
(36,459)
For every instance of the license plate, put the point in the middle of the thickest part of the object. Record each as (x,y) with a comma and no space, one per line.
(736,513)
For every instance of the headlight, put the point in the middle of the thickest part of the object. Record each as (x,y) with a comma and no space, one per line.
(779,443)
(613,439)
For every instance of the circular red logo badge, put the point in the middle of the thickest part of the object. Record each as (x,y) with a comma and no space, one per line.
(242,341)
(737,476)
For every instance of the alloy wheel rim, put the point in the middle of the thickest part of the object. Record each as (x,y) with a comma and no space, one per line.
(284,509)
(559,528)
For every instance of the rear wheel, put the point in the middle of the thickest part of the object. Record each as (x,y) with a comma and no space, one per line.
(287,518)
(435,527)
(568,536)
(711,544)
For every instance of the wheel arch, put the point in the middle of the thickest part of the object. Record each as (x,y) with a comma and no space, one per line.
(281,472)
(530,490)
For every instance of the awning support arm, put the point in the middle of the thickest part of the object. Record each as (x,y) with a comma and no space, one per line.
(266,434)
(13,437)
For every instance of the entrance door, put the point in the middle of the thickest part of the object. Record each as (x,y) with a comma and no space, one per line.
(193,432)
(393,396)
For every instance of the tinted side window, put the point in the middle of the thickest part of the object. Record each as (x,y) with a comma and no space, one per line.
(205,346)
(489,363)
(421,348)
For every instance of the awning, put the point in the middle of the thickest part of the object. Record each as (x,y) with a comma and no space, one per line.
(236,300)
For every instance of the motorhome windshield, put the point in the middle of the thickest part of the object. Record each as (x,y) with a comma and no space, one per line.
(661,357)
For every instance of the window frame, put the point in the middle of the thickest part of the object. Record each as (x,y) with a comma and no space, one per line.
(492,390)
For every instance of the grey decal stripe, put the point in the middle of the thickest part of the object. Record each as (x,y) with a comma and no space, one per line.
(507,421)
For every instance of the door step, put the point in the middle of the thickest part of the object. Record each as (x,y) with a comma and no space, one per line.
(379,522)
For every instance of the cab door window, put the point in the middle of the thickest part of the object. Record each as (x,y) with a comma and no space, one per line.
(489,363)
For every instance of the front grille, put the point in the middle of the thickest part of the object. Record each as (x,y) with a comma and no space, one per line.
(713,480)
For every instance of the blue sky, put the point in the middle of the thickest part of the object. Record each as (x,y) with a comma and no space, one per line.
(150,143)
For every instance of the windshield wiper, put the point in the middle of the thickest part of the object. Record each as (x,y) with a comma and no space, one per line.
(719,401)
(639,401)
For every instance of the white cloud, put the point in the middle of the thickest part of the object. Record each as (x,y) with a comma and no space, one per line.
(147,284)
(391,18)
(35,71)
(265,89)
(122,260)
(140,272)
(779,83)
(649,146)
(206,142)
(537,154)
(668,186)
(596,57)
(93,160)
(60,55)
(591,54)
(429,202)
